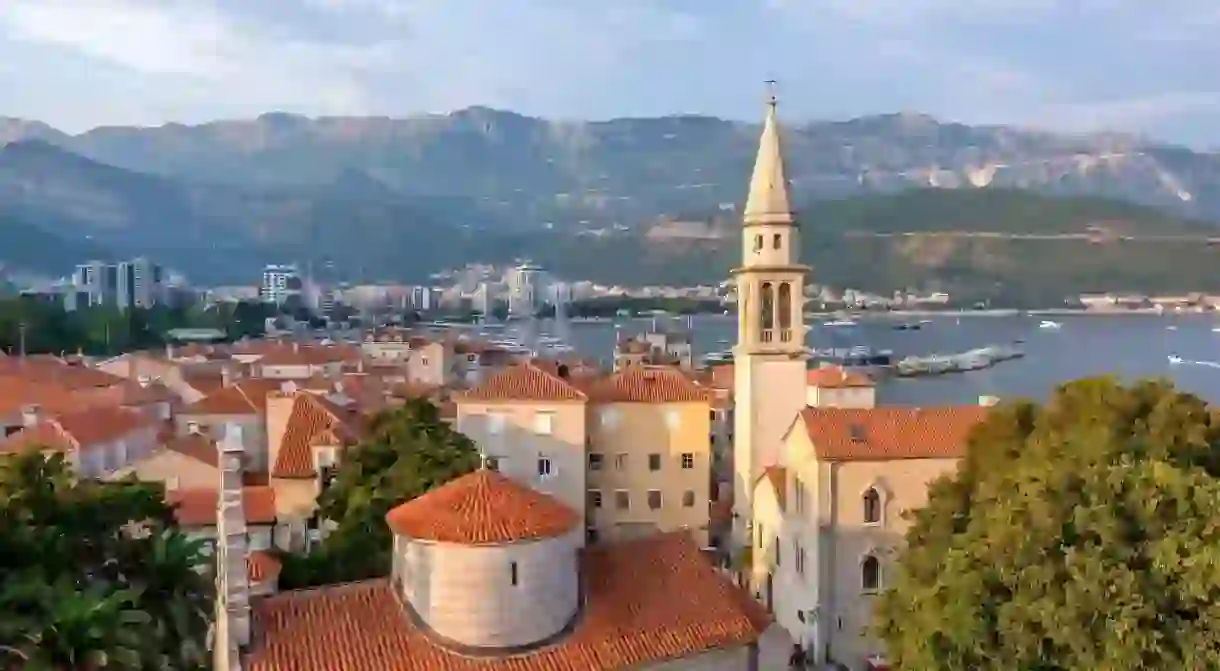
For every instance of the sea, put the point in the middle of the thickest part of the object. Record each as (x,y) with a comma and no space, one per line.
(1129,347)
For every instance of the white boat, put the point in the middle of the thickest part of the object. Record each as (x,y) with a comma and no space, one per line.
(1047,324)
(1216,329)
(1171,328)
(1175,359)
(840,323)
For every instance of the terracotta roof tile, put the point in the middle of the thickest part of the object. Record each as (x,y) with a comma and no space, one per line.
(198,446)
(647,601)
(643,384)
(313,421)
(482,507)
(523,382)
(197,506)
(879,434)
(246,397)
(81,429)
(58,372)
(777,476)
(834,377)
(262,566)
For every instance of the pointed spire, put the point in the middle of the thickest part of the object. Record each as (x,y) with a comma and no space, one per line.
(767,202)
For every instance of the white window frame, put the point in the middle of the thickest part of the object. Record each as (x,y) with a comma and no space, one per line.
(544,423)
(546,468)
(673,419)
(608,417)
(496,422)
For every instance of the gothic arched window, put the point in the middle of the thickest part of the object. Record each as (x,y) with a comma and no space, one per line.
(767,304)
(872,506)
(785,305)
(870,574)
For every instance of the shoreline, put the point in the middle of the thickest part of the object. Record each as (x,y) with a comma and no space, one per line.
(902,314)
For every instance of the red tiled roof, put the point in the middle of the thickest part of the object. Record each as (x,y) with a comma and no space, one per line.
(197,506)
(198,446)
(313,421)
(262,566)
(643,384)
(81,429)
(880,434)
(482,507)
(246,397)
(834,377)
(647,601)
(523,382)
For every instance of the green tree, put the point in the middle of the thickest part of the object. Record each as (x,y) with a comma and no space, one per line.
(1079,534)
(96,575)
(408,451)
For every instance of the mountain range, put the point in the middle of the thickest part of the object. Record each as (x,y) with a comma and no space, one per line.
(401,198)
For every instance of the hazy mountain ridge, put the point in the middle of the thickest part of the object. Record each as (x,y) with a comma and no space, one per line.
(531,171)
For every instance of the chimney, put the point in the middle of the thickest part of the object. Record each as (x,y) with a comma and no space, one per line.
(169,351)
(233,587)
(360,365)
(144,380)
(226,376)
(296,347)
(30,415)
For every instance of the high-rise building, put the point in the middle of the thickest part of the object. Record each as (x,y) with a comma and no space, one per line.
(769,362)
(525,286)
(280,284)
(138,283)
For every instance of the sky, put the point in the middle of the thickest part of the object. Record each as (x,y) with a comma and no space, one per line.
(1069,65)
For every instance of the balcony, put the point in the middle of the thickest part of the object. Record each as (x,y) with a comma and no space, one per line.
(767,335)
(785,335)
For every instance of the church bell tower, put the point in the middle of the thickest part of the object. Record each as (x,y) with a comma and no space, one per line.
(769,359)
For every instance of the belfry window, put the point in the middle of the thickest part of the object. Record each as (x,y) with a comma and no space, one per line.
(767,299)
(870,574)
(758,243)
(785,305)
(872,506)
(777,241)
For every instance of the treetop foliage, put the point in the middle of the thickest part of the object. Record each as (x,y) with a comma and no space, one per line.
(95,575)
(1079,534)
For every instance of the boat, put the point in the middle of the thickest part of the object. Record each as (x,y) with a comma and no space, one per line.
(1171,328)
(908,327)
(1173,359)
(840,323)
(1050,325)
(713,358)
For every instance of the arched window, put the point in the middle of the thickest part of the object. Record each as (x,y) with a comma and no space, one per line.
(767,303)
(870,574)
(872,506)
(785,305)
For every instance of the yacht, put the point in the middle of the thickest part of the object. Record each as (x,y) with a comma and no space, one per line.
(1050,325)
(843,323)
(1174,359)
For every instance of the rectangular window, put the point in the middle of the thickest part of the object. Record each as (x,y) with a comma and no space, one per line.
(512,573)
(608,417)
(654,499)
(595,461)
(688,460)
(798,495)
(544,467)
(673,420)
(688,499)
(594,498)
(620,461)
(491,463)
(495,423)
(654,462)
(544,423)
(622,500)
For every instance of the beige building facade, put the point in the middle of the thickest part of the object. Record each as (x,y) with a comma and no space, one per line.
(828,518)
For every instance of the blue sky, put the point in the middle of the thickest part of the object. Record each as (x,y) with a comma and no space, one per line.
(1126,65)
